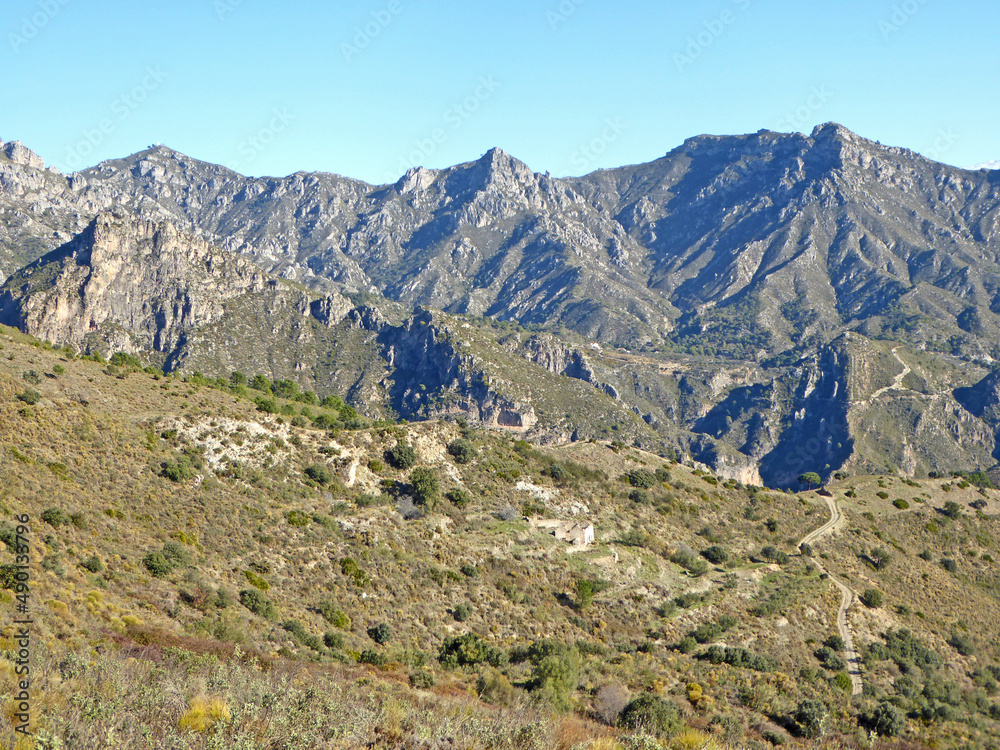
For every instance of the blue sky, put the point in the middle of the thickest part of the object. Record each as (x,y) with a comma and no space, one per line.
(369,88)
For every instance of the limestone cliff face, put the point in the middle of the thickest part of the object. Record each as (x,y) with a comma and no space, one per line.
(134,285)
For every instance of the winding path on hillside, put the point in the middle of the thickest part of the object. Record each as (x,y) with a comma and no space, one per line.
(847,596)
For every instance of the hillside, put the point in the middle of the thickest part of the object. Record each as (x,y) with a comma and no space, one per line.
(204,552)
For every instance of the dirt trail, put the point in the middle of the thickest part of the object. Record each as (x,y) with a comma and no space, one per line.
(847,596)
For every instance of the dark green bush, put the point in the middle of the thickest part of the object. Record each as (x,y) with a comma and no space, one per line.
(257,603)
(829,659)
(458,497)
(462,612)
(652,714)
(424,486)
(380,633)
(402,456)
(55,517)
(319,473)
(887,720)
(462,450)
(812,716)
(334,640)
(157,564)
(369,656)
(715,555)
(641,478)
(873,598)
(29,396)
(469,649)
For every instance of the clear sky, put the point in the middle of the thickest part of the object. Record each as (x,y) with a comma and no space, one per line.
(371,87)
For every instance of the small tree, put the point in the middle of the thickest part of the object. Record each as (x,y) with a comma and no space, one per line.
(881,558)
(809,479)
(425,486)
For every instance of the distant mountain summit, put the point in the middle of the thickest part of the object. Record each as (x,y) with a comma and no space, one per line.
(761,283)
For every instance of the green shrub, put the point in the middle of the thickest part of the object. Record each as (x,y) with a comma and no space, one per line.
(257,603)
(424,486)
(334,616)
(421,679)
(952,509)
(651,713)
(834,642)
(962,643)
(297,518)
(556,669)
(380,633)
(369,656)
(402,456)
(176,555)
(887,720)
(812,716)
(256,581)
(469,650)
(180,470)
(872,598)
(901,503)
(641,478)
(55,517)
(458,497)
(462,450)
(29,396)
(319,473)
(715,555)
(350,568)
(462,612)
(829,659)
(157,564)
(31,376)
(882,494)
(949,564)
(334,640)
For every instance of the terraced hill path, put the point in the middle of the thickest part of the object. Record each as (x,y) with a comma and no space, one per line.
(847,596)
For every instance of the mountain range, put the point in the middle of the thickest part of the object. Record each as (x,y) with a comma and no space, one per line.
(767,304)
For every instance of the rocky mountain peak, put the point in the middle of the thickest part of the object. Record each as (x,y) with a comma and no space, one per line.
(18,153)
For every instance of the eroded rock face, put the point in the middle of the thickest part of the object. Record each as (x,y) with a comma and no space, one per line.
(133,285)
